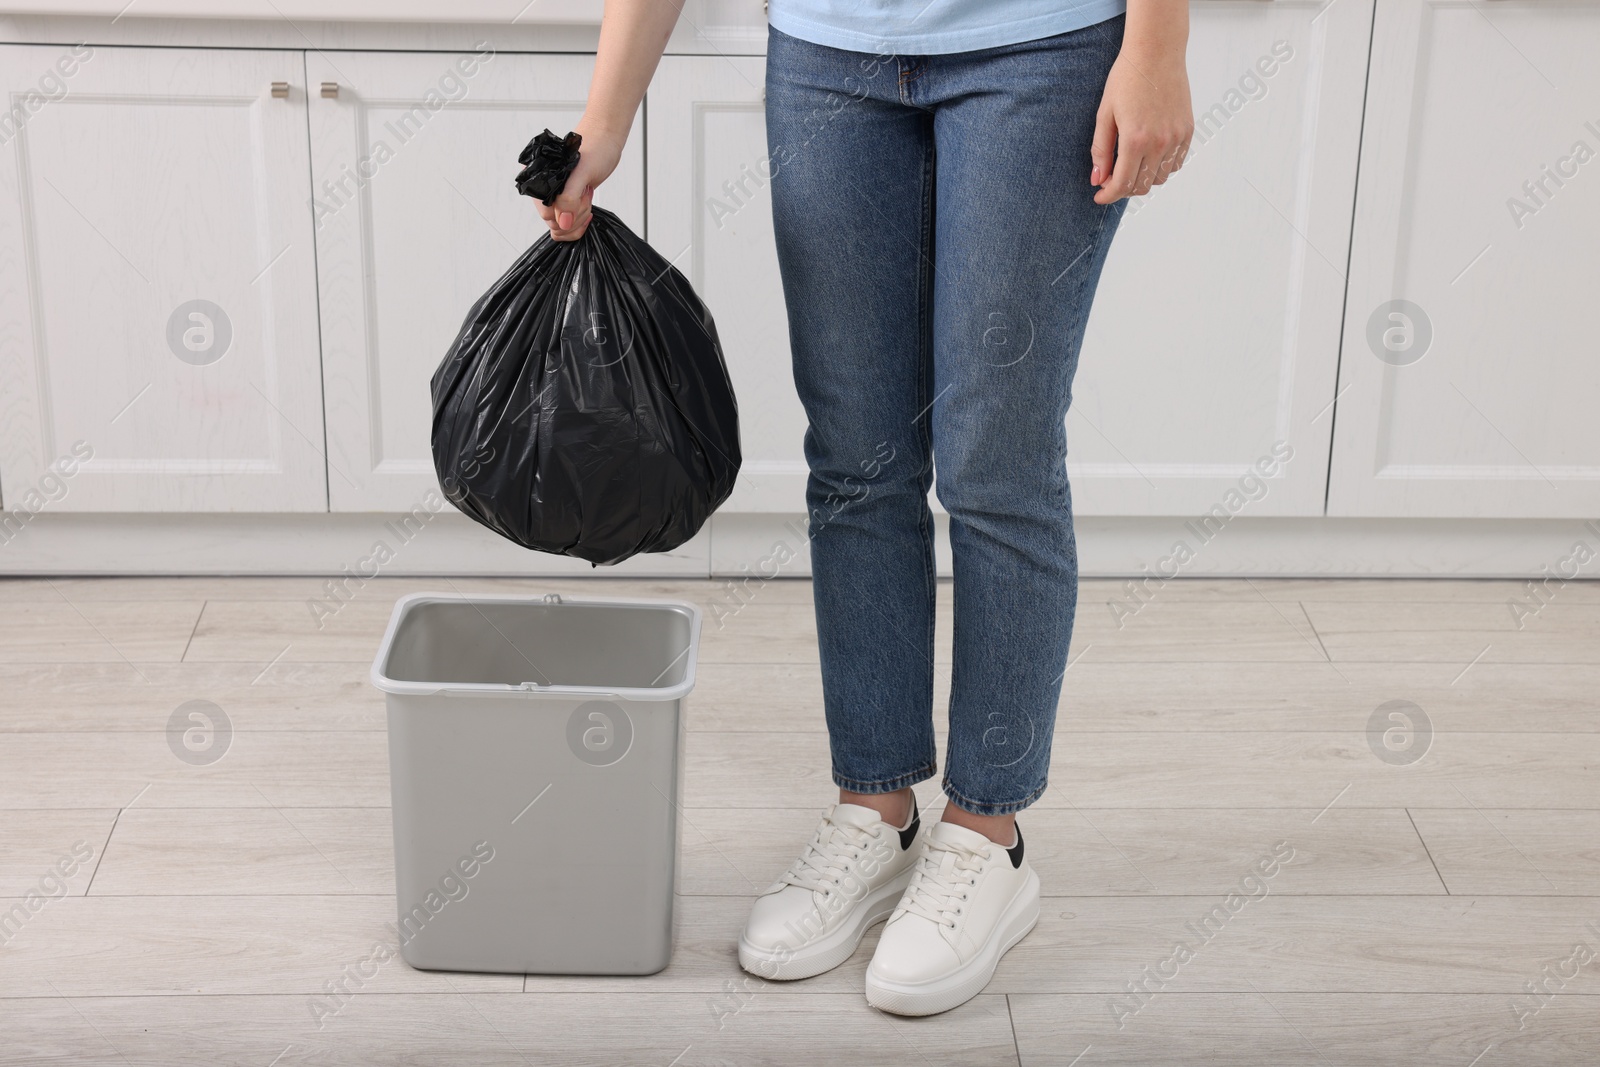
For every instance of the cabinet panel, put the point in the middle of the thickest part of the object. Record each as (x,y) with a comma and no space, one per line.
(1215,330)
(416,215)
(711,212)
(1468,382)
(157,293)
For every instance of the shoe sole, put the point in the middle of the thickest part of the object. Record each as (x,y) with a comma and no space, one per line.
(825,953)
(968,980)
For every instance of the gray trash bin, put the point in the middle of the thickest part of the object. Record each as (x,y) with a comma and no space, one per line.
(533,765)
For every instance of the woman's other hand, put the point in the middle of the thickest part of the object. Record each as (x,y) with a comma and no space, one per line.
(1146,119)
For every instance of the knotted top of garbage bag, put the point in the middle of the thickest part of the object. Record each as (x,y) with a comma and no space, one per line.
(547,163)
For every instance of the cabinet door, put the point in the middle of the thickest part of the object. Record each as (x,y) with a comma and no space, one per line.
(1215,331)
(1469,383)
(157,293)
(707,130)
(417,214)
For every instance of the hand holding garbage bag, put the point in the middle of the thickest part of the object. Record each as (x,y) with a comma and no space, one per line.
(585,408)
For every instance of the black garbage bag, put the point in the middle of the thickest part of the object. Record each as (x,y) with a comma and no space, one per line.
(585,408)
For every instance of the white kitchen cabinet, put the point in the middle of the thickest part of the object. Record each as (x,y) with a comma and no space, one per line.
(711,214)
(413,164)
(1479,208)
(157,293)
(1215,331)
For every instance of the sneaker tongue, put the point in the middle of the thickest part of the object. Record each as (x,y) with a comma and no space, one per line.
(959,835)
(856,815)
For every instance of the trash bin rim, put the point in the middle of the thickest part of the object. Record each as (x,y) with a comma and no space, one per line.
(404,605)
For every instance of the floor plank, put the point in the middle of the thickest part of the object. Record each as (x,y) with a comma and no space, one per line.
(247,851)
(1199,631)
(1093,593)
(1344,944)
(112,697)
(1107,852)
(1565,632)
(1370,590)
(1526,852)
(1249,1028)
(106,946)
(792,770)
(321,769)
(736,852)
(1202,770)
(764,1026)
(1148,697)
(37,846)
(59,631)
(1157,697)
(1359,943)
(389,589)
(276,631)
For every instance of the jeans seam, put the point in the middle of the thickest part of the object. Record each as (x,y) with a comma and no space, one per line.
(911,70)
(924,386)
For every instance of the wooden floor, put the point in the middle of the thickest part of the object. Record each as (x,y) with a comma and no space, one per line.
(1423,901)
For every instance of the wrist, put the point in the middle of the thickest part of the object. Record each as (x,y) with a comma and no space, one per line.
(1155,47)
(1156,30)
(602,127)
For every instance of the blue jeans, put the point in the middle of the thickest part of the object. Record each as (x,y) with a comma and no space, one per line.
(940,247)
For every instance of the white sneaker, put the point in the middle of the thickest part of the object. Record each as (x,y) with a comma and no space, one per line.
(848,878)
(969,901)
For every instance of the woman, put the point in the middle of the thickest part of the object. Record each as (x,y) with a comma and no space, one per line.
(947,178)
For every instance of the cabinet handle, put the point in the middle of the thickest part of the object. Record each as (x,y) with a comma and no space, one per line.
(330,89)
(280,90)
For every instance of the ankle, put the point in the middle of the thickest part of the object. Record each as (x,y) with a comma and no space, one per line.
(1001,829)
(893,808)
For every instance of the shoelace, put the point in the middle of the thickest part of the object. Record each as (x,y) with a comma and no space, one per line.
(829,855)
(944,874)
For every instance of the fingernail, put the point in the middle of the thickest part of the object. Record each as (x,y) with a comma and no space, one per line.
(1094,175)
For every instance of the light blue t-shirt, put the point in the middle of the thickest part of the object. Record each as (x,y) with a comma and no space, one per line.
(933,27)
